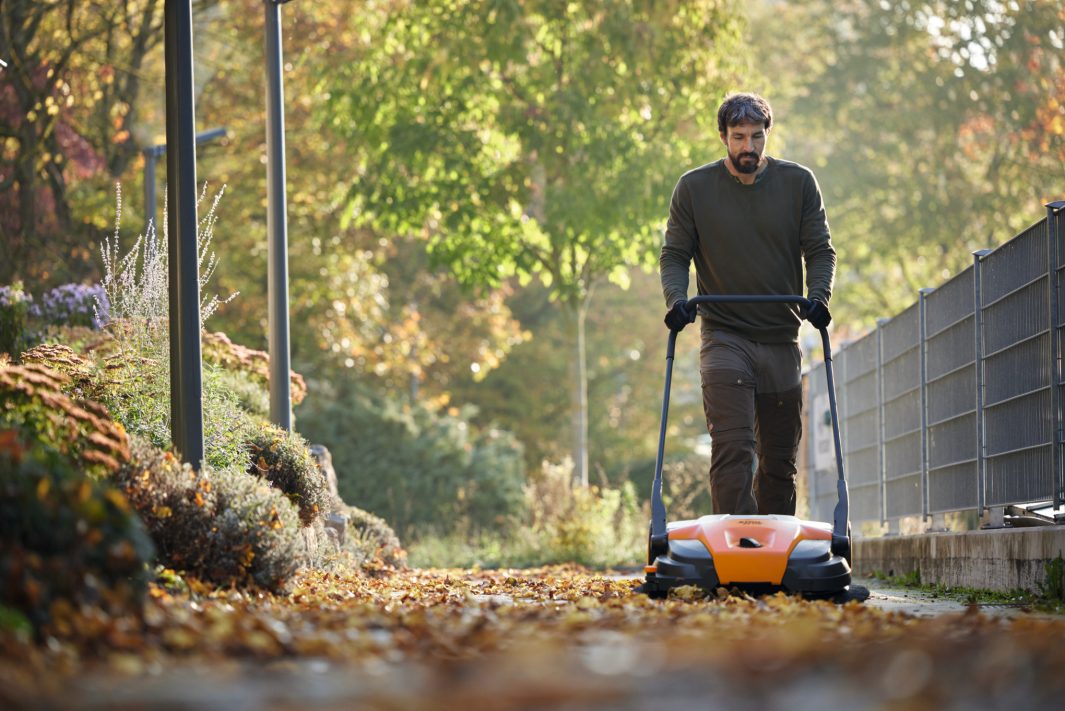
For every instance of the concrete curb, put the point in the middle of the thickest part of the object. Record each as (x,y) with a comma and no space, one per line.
(997,559)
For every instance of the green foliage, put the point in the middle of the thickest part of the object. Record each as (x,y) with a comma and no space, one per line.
(282,459)
(15,305)
(626,359)
(136,389)
(415,467)
(1053,588)
(70,544)
(222,526)
(686,486)
(560,524)
(585,524)
(531,139)
(911,579)
(252,365)
(247,392)
(14,623)
(934,127)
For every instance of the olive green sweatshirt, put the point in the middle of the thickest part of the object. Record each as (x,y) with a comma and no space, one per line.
(749,239)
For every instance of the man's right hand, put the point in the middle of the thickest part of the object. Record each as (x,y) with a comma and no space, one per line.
(680,315)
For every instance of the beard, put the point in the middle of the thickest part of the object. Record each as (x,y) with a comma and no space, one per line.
(753,160)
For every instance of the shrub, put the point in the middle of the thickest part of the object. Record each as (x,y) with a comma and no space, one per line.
(70,544)
(584,524)
(560,524)
(137,390)
(222,526)
(369,537)
(15,307)
(255,537)
(283,459)
(417,468)
(175,502)
(246,391)
(219,350)
(32,401)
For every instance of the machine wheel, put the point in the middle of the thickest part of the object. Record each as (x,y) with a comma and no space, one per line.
(850,547)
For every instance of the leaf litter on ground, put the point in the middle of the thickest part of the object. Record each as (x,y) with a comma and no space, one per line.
(526,637)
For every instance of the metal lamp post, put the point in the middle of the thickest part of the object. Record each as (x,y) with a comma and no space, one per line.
(186,375)
(152,154)
(276,222)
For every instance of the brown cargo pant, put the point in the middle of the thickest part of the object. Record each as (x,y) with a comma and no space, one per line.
(752,396)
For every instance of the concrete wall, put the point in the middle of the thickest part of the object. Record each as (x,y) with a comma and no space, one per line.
(996,559)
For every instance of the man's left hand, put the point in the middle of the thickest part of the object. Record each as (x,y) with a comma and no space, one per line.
(817,314)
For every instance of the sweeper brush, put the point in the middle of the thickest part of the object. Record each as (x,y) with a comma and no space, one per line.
(757,553)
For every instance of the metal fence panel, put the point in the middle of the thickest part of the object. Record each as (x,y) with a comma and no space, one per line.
(901,413)
(821,474)
(954,404)
(1056,239)
(862,443)
(951,403)
(1018,416)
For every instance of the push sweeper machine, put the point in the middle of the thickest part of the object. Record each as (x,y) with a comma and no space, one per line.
(759,553)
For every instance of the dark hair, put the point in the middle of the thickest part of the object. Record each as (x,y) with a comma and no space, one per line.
(743,108)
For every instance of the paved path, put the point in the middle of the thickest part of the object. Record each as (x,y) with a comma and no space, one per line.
(897,598)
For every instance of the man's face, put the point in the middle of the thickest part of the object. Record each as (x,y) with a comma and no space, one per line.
(745,143)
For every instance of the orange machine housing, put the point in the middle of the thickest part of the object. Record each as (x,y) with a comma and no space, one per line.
(737,561)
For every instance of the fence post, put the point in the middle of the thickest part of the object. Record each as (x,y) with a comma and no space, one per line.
(881,449)
(839,362)
(978,323)
(922,338)
(1053,231)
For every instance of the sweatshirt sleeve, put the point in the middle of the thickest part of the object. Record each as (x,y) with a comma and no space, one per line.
(816,243)
(679,246)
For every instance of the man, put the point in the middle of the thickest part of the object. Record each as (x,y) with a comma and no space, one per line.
(749,221)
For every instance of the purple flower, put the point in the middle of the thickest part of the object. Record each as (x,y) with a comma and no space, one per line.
(76,305)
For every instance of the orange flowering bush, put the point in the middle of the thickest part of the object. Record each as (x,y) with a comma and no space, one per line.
(32,400)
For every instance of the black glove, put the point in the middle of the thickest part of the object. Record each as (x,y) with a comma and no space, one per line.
(816,313)
(680,315)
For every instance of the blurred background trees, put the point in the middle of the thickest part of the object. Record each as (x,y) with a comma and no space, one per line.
(935,128)
(471,185)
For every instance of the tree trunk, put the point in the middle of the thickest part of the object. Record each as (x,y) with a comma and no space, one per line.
(580,400)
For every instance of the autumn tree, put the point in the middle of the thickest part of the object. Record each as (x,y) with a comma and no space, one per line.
(365,304)
(532,140)
(68,99)
(935,128)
